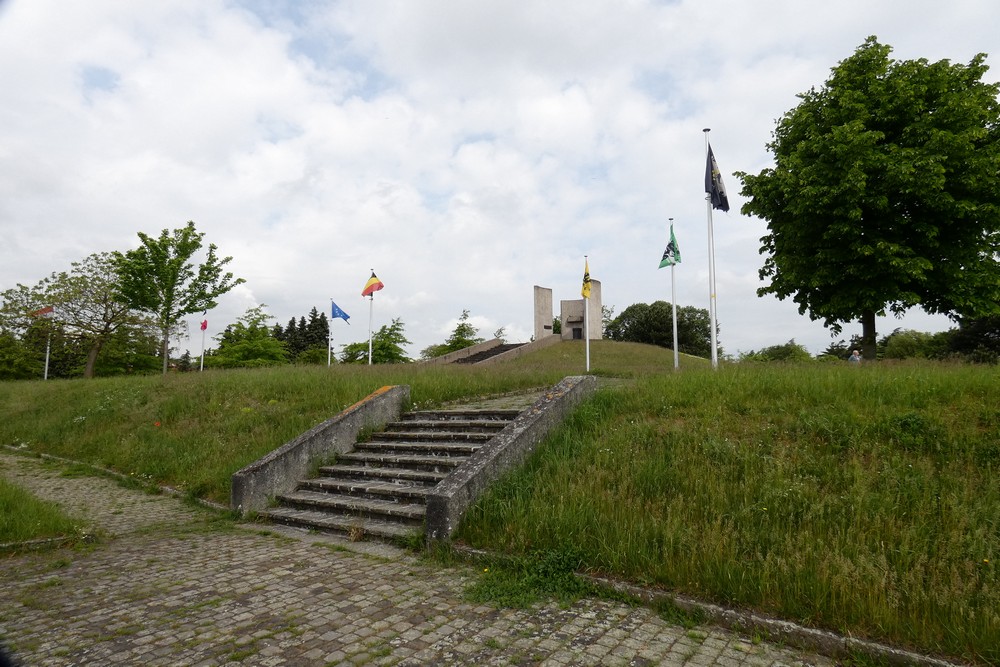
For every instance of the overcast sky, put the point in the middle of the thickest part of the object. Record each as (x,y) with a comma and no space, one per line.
(464,150)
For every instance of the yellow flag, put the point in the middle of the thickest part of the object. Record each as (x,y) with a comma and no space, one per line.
(585,292)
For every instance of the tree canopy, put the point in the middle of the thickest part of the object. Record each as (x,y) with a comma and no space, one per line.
(884,194)
(249,342)
(159,278)
(464,335)
(387,346)
(653,324)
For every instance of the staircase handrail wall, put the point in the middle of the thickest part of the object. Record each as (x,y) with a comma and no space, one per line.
(279,471)
(450,499)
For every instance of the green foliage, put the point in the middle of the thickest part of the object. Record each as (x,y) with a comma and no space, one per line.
(790,352)
(462,337)
(387,347)
(884,193)
(88,310)
(653,324)
(521,581)
(159,278)
(248,343)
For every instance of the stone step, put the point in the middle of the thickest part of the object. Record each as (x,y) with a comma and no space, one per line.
(440,447)
(354,526)
(413,462)
(379,509)
(490,426)
(399,475)
(453,415)
(371,489)
(432,436)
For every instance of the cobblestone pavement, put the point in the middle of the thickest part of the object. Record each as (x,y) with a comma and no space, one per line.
(171,584)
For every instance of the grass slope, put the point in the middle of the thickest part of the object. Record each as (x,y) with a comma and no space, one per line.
(865,500)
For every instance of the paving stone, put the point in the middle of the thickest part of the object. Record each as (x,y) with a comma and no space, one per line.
(163,587)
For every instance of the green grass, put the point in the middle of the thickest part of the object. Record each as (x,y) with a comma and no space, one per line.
(193,431)
(24,518)
(862,500)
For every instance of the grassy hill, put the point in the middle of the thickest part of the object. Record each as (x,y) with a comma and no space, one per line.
(864,500)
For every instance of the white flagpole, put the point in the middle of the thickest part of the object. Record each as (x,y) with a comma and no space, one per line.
(329,336)
(48,347)
(586,319)
(673,298)
(371,309)
(711,268)
(201,365)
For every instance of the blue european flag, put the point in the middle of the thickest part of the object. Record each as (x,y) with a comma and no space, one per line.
(336,312)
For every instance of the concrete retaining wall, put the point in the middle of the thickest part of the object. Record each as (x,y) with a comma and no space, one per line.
(452,357)
(452,497)
(282,469)
(548,341)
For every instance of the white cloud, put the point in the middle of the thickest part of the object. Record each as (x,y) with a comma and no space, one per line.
(465,151)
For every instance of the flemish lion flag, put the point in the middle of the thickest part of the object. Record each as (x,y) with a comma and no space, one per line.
(713,183)
(373,285)
(585,291)
(672,254)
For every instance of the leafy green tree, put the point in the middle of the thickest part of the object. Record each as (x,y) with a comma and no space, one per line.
(387,347)
(16,360)
(249,343)
(789,352)
(86,303)
(464,335)
(976,339)
(653,324)
(884,194)
(159,278)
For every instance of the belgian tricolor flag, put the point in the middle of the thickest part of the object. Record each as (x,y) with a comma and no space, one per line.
(373,285)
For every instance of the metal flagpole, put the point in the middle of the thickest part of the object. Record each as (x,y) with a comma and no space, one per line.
(586,316)
(329,336)
(371,308)
(48,346)
(711,268)
(673,300)
(201,365)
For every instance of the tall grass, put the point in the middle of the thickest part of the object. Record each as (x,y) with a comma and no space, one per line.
(865,500)
(861,500)
(24,517)
(193,431)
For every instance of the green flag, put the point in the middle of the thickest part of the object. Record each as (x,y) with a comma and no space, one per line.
(672,255)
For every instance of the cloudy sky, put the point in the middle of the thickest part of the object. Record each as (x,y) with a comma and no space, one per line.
(464,150)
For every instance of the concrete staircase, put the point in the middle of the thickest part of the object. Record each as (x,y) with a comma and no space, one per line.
(379,489)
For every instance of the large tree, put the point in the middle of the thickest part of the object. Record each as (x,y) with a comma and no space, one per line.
(387,347)
(465,335)
(249,342)
(159,278)
(885,193)
(87,306)
(653,324)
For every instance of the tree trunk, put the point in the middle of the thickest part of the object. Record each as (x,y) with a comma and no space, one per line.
(166,350)
(868,335)
(95,349)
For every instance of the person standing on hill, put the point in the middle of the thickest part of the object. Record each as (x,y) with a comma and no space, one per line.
(855,357)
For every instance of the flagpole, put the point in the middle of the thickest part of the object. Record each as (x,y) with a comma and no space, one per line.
(201,365)
(48,347)
(711,268)
(673,300)
(329,337)
(586,318)
(371,309)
